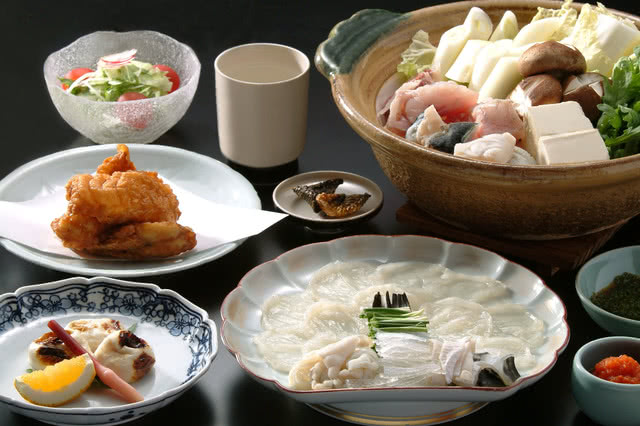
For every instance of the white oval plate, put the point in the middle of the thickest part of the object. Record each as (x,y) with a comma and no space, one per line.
(290,272)
(201,175)
(286,200)
(182,336)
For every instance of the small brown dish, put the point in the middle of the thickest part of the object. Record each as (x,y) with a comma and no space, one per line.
(286,200)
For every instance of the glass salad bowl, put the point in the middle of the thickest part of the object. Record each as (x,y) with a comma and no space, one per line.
(134,121)
(520,202)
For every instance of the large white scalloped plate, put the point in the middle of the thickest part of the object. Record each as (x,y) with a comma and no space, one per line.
(241,312)
(182,335)
(199,174)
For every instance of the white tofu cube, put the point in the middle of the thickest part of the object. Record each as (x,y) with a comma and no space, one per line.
(553,119)
(574,147)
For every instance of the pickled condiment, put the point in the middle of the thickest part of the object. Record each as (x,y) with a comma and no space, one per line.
(619,369)
(621,297)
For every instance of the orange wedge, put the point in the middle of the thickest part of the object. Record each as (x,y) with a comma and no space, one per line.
(57,384)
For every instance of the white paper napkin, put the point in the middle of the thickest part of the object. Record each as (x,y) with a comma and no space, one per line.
(29,222)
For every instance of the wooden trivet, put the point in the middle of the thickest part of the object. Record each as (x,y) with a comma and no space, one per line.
(549,256)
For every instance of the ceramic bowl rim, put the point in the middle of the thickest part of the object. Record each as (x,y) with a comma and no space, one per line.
(193,79)
(586,301)
(580,369)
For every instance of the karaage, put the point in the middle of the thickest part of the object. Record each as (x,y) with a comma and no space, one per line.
(122,212)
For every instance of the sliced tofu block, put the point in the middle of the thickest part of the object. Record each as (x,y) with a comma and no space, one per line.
(585,145)
(553,119)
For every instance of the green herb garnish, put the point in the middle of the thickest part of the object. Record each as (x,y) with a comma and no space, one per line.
(394,320)
(619,123)
(133,327)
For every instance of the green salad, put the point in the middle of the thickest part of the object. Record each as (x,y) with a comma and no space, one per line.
(119,74)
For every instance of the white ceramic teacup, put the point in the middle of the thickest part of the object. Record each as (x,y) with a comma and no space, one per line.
(261,100)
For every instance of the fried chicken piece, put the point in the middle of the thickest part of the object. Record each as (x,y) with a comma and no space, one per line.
(123,197)
(122,212)
(144,240)
(118,163)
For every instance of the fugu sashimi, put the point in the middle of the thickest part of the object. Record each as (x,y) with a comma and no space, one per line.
(453,102)
(477,289)
(505,345)
(285,310)
(408,274)
(339,281)
(516,320)
(497,116)
(281,349)
(342,320)
(457,317)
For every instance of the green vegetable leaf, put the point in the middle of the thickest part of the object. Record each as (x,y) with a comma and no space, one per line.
(418,56)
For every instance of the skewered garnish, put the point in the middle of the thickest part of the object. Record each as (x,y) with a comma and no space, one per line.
(310,192)
(341,205)
(57,384)
(322,198)
(106,375)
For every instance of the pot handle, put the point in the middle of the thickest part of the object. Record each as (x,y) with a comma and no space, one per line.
(350,38)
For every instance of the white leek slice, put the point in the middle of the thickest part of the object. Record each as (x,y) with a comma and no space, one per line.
(504,77)
(486,60)
(537,31)
(463,66)
(507,28)
(477,26)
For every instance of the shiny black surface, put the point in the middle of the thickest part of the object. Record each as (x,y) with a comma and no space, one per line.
(227,395)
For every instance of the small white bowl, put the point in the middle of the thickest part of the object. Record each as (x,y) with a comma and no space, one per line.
(182,336)
(141,121)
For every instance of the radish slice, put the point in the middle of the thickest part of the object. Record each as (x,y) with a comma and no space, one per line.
(105,374)
(119,58)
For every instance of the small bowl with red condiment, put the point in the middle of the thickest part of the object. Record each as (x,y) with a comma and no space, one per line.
(615,277)
(132,117)
(614,399)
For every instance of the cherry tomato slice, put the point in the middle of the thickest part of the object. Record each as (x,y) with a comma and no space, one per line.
(131,96)
(171,75)
(75,74)
(137,116)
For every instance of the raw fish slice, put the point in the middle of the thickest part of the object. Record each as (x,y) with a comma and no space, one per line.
(432,124)
(453,102)
(454,317)
(515,320)
(473,288)
(281,349)
(408,275)
(421,79)
(285,310)
(504,345)
(338,282)
(336,318)
(497,116)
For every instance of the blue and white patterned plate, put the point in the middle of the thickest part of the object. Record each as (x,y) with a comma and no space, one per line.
(181,334)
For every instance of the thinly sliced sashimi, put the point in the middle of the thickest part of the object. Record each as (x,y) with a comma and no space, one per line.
(342,320)
(453,102)
(515,320)
(281,348)
(408,274)
(338,282)
(476,289)
(285,310)
(526,362)
(497,116)
(454,317)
